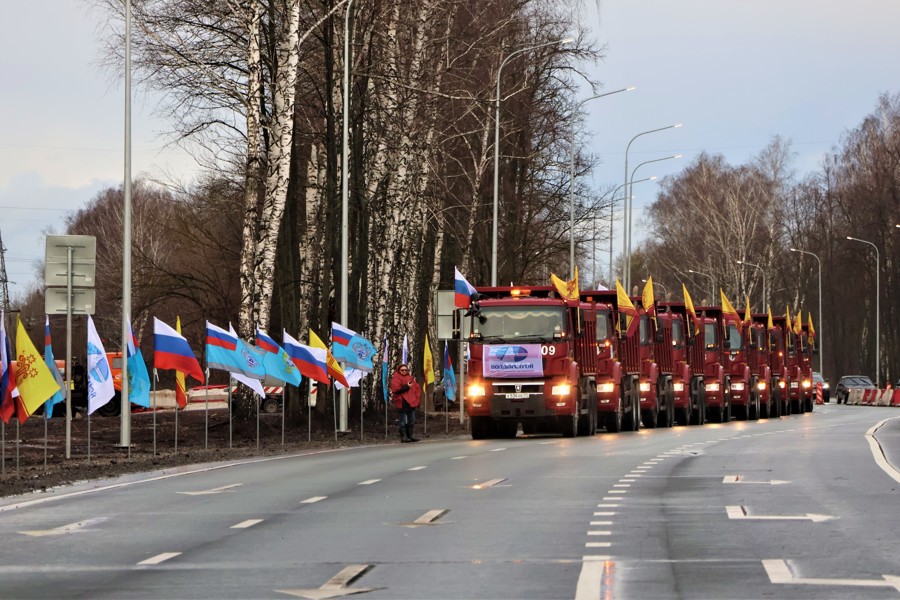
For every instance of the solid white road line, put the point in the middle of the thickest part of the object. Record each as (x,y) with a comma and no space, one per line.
(155,560)
(246,524)
(878,453)
(368,482)
(459,457)
(217,490)
(417,468)
(313,500)
(497,450)
(589,579)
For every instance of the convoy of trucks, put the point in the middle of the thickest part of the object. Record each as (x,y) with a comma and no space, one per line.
(555,364)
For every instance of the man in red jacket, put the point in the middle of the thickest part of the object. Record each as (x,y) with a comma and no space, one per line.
(405,392)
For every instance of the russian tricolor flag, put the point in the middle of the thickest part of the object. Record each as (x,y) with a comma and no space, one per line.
(311,362)
(216,336)
(462,289)
(264,342)
(341,335)
(171,351)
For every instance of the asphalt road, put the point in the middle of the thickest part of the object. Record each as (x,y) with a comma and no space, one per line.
(791,508)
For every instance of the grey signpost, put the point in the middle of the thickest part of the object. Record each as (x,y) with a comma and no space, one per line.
(70,264)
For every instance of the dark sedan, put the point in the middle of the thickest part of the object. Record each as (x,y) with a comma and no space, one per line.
(849,382)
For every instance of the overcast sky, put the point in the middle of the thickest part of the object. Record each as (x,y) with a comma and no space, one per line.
(734,72)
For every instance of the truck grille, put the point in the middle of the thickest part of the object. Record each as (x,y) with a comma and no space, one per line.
(521,387)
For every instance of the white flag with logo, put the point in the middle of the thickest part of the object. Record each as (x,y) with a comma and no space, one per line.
(100,382)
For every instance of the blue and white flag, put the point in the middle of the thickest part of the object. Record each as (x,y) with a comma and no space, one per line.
(405,351)
(59,396)
(352,349)
(384,371)
(227,352)
(100,382)
(448,382)
(276,361)
(138,377)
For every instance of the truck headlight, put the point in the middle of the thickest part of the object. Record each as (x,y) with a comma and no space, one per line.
(761,386)
(781,384)
(807,384)
(606,388)
(712,387)
(738,385)
(561,389)
(475,390)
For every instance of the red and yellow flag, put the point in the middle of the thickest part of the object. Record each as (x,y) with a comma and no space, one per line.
(626,308)
(812,331)
(334,367)
(798,323)
(34,380)
(567,289)
(747,316)
(180,387)
(428,363)
(648,299)
(728,311)
(689,305)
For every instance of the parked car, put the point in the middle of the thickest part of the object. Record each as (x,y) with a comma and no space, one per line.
(826,392)
(849,382)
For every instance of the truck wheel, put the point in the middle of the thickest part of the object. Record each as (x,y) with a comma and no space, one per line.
(528,427)
(569,426)
(479,428)
(270,406)
(113,408)
(632,420)
(649,418)
(740,413)
(613,421)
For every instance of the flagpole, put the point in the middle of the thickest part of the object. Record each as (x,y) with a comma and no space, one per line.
(3,448)
(206,415)
(45,438)
(258,401)
(155,379)
(283,406)
(334,410)
(229,406)
(89,429)
(17,446)
(462,380)
(176,423)
(309,413)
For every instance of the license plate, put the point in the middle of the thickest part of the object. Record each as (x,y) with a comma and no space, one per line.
(517,396)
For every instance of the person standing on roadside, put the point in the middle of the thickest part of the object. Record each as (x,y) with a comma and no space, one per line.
(406,392)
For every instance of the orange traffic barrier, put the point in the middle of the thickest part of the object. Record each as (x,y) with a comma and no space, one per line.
(895,398)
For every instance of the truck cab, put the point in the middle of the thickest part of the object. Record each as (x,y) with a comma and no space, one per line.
(744,397)
(533,360)
(716,380)
(758,360)
(781,377)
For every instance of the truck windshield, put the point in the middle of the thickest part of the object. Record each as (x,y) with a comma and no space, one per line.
(602,325)
(710,336)
(734,338)
(677,333)
(517,322)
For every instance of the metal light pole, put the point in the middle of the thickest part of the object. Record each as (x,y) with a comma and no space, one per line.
(125,414)
(763,273)
(497,149)
(627,257)
(821,326)
(713,298)
(665,291)
(344,400)
(627,217)
(572,175)
(877,309)
(612,212)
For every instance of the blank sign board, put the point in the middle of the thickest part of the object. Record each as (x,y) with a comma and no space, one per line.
(82,273)
(56,301)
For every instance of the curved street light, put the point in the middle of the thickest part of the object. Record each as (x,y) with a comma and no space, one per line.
(627,267)
(497,148)
(763,273)
(627,217)
(572,175)
(711,278)
(877,308)
(821,325)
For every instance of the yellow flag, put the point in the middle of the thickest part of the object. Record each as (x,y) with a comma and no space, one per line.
(771,324)
(812,331)
(747,316)
(626,308)
(428,363)
(790,322)
(33,379)
(647,297)
(566,289)
(334,367)
(798,323)
(180,388)
(728,311)
(689,306)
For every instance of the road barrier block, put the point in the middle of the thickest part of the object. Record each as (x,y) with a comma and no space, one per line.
(867,397)
(854,396)
(895,398)
(884,398)
(819,398)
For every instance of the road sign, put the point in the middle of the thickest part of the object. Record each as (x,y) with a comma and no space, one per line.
(444,314)
(56,301)
(83,247)
(83,273)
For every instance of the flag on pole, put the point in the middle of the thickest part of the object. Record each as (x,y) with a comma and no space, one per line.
(771,325)
(100,382)
(34,380)
(311,362)
(384,371)
(353,377)
(276,361)
(352,349)
(51,364)
(405,355)
(427,363)
(689,306)
(334,368)
(449,379)
(648,299)
(462,290)
(138,378)
(728,312)
(798,322)
(226,352)
(180,386)
(251,355)
(8,401)
(626,308)
(747,316)
(566,289)
(172,351)
(809,323)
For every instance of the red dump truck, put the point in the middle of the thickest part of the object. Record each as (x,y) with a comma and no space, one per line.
(716,379)
(533,360)
(689,355)
(757,347)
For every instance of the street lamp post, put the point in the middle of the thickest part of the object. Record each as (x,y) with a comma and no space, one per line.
(630,199)
(763,273)
(877,309)
(711,278)
(497,149)
(665,291)
(626,217)
(821,325)
(572,175)
(612,212)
